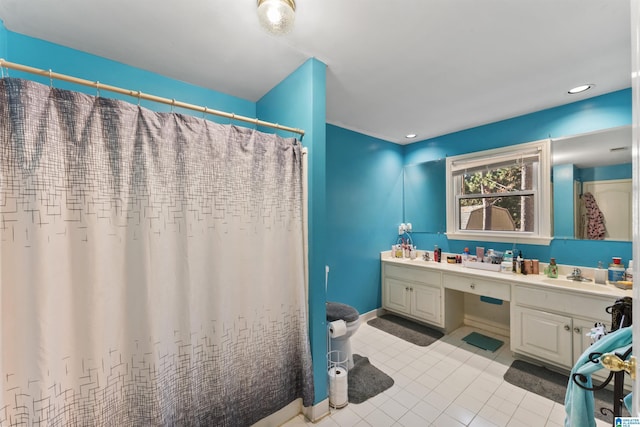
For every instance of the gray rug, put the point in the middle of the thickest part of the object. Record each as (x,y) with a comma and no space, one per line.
(553,386)
(365,380)
(410,331)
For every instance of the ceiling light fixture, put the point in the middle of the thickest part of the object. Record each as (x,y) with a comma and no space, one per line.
(410,135)
(277,16)
(581,88)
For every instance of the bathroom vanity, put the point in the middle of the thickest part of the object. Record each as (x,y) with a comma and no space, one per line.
(546,319)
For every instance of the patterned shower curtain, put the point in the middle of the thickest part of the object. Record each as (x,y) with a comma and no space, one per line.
(151,266)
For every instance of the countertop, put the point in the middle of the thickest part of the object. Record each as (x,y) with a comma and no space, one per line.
(561,283)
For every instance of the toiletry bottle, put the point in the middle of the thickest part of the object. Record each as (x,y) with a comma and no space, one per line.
(553,269)
(519,263)
(465,255)
(536,266)
(616,270)
(436,258)
(439,255)
(628,274)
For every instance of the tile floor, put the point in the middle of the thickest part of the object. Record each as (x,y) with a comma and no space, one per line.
(449,383)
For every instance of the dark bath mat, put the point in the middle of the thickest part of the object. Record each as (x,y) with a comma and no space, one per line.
(365,380)
(553,386)
(410,331)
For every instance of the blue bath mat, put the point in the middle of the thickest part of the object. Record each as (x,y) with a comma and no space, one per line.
(482,341)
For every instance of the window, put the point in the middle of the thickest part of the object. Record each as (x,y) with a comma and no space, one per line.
(501,195)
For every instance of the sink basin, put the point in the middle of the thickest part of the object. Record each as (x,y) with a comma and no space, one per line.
(561,281)
(578,279)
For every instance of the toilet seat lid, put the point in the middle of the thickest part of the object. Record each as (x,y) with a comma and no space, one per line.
(339,311)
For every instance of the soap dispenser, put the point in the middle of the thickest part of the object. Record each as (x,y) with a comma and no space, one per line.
(552,269)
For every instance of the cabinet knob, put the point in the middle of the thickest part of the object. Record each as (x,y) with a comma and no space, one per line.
(406,289)
(567,327)
(473,286)
(576,330)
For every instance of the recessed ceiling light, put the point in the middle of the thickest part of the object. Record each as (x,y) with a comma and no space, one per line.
(581,88)
(410,135)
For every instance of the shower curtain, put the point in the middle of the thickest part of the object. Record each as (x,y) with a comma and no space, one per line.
(151,266)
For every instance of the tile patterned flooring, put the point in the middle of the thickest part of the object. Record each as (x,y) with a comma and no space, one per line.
(449,383)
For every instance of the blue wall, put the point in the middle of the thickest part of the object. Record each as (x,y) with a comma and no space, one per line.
(597,113)
(605,173)
(563,199)
(301,99)
(364,207)
(3,41)
(365,202)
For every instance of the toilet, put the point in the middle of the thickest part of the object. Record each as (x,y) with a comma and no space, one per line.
(339,311)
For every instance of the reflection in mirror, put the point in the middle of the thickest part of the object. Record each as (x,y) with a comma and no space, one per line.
(424,195)
(592,185)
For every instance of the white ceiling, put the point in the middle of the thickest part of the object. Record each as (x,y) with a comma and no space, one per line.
(429,67)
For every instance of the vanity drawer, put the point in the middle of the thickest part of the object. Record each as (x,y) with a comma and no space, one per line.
(412,274)
(568,303)
(484,287)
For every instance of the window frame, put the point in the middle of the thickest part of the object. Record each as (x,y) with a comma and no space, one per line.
(542,194)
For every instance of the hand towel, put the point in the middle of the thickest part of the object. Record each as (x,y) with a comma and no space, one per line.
(628,402)
(578,402)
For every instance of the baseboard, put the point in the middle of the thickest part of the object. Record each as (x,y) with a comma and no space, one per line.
(365,317)
(316,412)
(280,417)
(486,325)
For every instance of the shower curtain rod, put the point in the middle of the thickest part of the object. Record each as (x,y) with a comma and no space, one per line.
(140,95)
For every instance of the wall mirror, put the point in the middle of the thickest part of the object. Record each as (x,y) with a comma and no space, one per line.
(592,185)
(598,163)
(424,195)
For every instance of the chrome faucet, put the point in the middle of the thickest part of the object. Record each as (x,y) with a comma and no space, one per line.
(577,276)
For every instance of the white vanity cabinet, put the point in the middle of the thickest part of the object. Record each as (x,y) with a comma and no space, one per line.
(552,325)
(546,320)
(413,292)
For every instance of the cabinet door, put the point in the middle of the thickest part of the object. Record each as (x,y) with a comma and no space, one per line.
(581,342)
(396,296)
(543,335)
(425,303)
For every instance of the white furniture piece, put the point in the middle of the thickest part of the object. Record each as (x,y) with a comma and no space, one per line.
(551,324)
(546,319)
(413,292)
